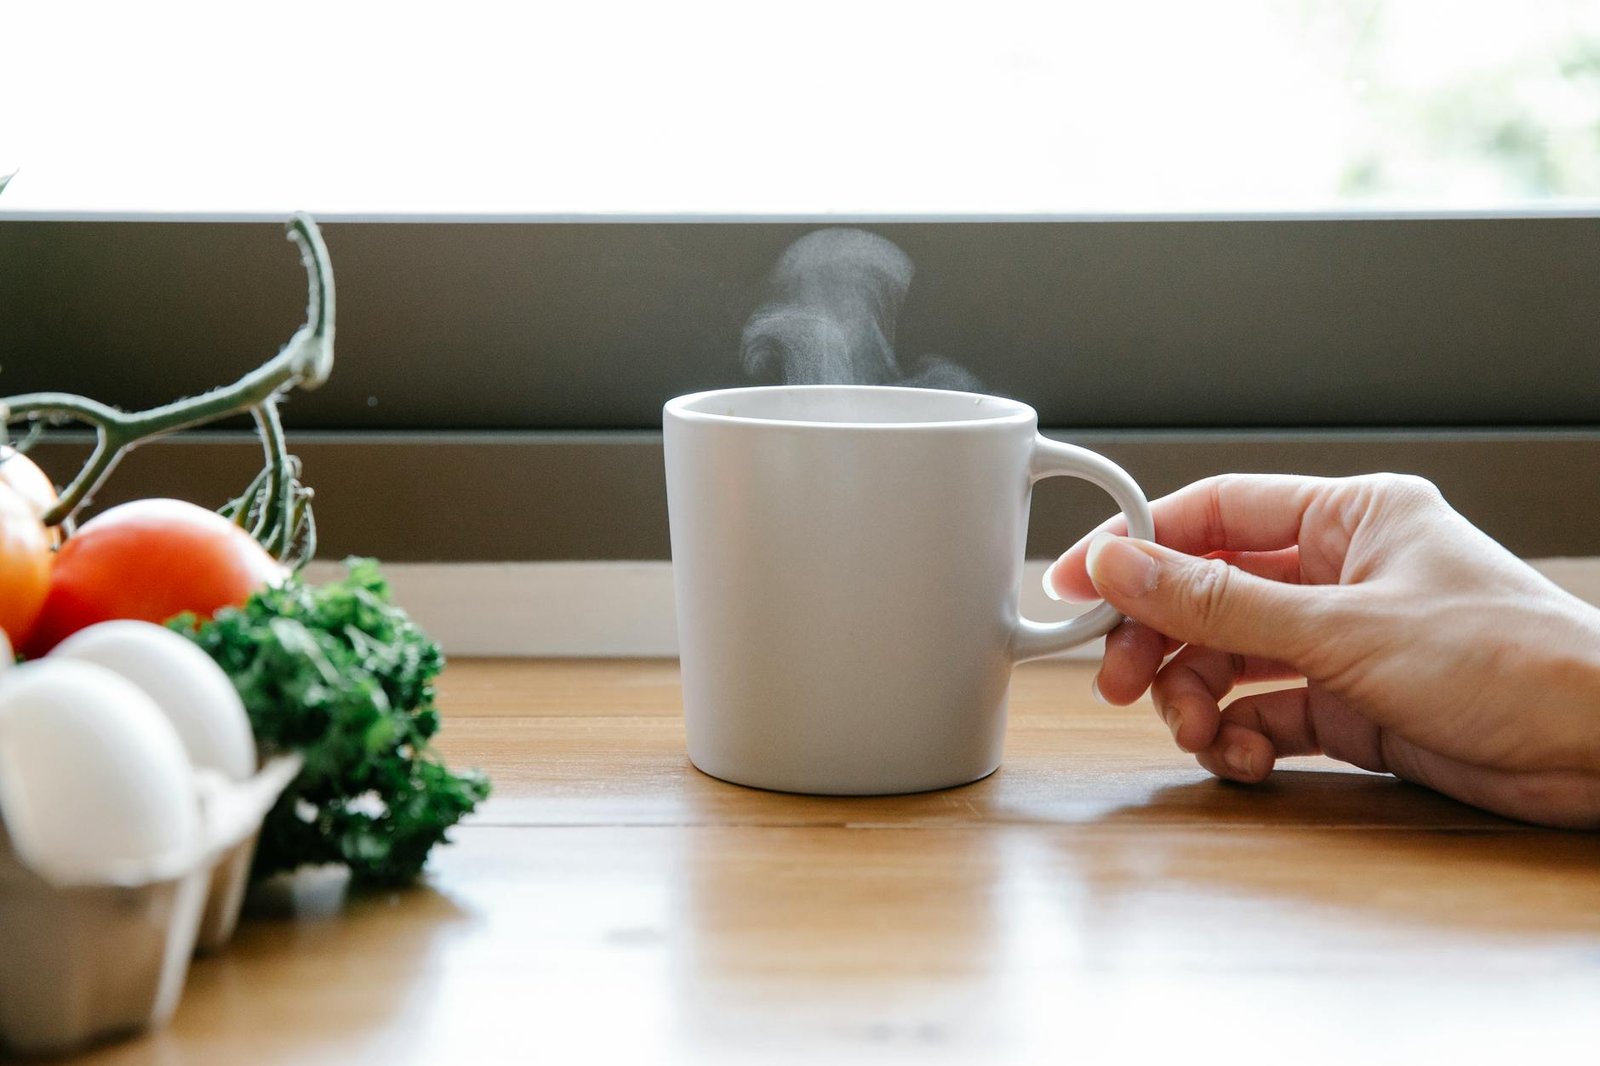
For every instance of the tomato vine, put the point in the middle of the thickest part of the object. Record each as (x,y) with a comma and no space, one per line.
(275,508)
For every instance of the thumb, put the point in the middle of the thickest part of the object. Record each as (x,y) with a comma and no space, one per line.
(1201,601)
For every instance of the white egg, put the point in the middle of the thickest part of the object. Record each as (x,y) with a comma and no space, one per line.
(185,683)
(93,777)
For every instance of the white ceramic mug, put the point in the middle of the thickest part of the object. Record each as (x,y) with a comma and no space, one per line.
(847,561)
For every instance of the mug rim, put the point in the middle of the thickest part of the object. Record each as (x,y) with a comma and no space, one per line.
(682,408)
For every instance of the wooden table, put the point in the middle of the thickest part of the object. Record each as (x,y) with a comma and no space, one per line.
(1099,899)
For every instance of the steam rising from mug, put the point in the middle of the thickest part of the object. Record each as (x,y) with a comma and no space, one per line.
(829,317)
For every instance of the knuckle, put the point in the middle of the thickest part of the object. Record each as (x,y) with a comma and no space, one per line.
(1172,681)
(1213,482)
(1410,489)
(1206,597)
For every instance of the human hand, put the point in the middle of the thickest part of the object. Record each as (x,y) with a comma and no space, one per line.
(1428,651)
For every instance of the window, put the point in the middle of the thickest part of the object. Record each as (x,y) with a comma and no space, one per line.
(1260,235)
(876,108)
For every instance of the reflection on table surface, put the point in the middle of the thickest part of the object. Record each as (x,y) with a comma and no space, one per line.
(1099,898)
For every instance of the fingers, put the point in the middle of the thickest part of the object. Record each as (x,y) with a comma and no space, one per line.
(1238,755)
(1134,652)
(1236,512)
(1255,731)
(1283,717)
(1133,655)
(1209,603)
(1283,565)
(1187,691)
(1233,512)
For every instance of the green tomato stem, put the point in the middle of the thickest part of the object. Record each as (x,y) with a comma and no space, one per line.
(304,362)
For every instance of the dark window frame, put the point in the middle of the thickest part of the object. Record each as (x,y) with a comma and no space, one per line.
(498,381)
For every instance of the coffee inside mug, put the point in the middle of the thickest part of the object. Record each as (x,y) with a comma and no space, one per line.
(835,405)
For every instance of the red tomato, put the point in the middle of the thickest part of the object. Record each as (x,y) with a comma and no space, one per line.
(151,560)
(24,566)
(24,475)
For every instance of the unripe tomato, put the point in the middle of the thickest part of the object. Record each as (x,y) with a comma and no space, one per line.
(24,566)
(151,560)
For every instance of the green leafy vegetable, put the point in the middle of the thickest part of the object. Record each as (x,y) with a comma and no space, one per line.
(342,675)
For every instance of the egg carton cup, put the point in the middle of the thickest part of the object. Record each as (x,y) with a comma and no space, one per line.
(234,813)
(90,956)
(225,897)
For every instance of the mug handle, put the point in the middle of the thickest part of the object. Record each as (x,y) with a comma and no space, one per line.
(1051,458)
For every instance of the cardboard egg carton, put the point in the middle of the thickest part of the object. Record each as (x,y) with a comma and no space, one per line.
(86,961)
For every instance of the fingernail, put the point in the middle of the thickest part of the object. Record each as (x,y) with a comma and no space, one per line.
(1117,566)
(1175,723)
(1049,581)
(1050,589)
(1238,760)
(1094,687)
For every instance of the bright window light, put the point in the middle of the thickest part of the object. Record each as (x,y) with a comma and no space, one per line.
(697,108)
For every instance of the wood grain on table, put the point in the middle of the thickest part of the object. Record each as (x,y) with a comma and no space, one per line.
(1099,899)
